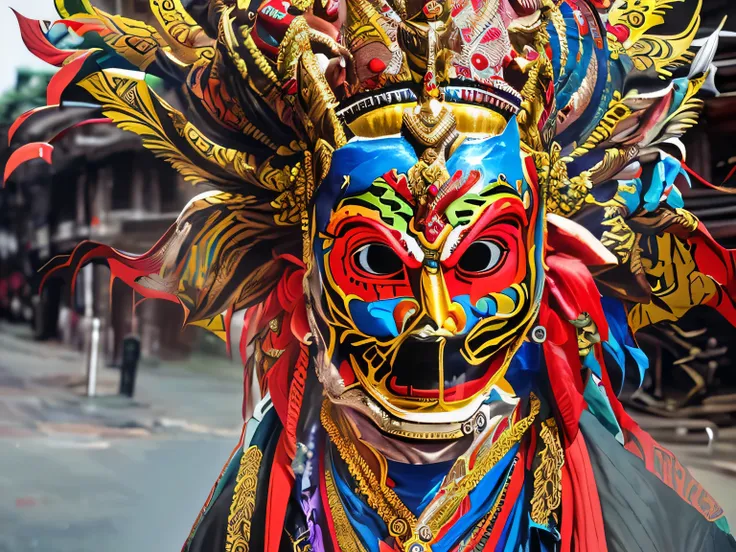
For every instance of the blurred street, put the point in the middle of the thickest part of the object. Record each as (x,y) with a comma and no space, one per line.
(84,475)
(117,475)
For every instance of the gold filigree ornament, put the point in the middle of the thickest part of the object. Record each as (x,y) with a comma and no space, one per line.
(462,479)
(244,501)
(411,533)
(565,196)
(384,501)
(547,495)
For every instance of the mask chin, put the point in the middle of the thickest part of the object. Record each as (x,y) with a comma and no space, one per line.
(400,422)
(428,426)
(443,426)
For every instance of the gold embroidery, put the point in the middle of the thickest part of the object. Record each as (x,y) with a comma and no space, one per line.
(380,497)
(402,523)
(455,489)
(244,500)
(548,475)
(346,537)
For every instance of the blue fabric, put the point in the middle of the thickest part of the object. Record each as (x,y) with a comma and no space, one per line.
(514,532)
(621,347)
(525,367)
(482,498)
(368,526)
(571,66)
(417,485)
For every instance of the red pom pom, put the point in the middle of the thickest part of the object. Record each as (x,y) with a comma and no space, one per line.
(376,65)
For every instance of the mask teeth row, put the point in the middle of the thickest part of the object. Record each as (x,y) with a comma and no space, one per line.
(481,97)
(453,93)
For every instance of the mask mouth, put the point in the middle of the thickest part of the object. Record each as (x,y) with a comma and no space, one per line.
(433,367)
(428,367)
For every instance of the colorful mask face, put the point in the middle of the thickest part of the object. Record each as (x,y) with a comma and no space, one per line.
(424,305)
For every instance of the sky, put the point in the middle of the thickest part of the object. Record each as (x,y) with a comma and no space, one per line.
(13,53)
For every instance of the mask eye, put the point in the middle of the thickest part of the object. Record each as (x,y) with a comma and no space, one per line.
(482,256)
(377,259)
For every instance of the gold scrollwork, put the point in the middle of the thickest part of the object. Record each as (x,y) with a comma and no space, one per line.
(547,495)
(346,537)
(244,500)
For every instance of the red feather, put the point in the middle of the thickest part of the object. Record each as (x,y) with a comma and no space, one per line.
(62,79)
(28,152)
(38,44)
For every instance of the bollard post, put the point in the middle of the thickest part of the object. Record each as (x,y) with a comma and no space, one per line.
(93,357)
(129,366)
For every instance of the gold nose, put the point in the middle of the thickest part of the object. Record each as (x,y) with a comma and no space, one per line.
(437,304)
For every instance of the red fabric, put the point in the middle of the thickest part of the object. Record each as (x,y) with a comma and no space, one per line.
(583,530)
(63,78)
(128,268)
(563,369)
(575,241)
(285,380)
(713,259)
(567,512)
(279,491)
(573,291)
(570,291)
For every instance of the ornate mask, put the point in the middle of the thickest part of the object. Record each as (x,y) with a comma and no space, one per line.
(430,271)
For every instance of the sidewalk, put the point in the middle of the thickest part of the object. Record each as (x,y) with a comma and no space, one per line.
(42,392)
(109,473)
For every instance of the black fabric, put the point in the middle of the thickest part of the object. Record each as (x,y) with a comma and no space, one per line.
(640,512)
(211,533)
(212,530)
(266,438)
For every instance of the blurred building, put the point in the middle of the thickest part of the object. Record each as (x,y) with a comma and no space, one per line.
(104,186)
